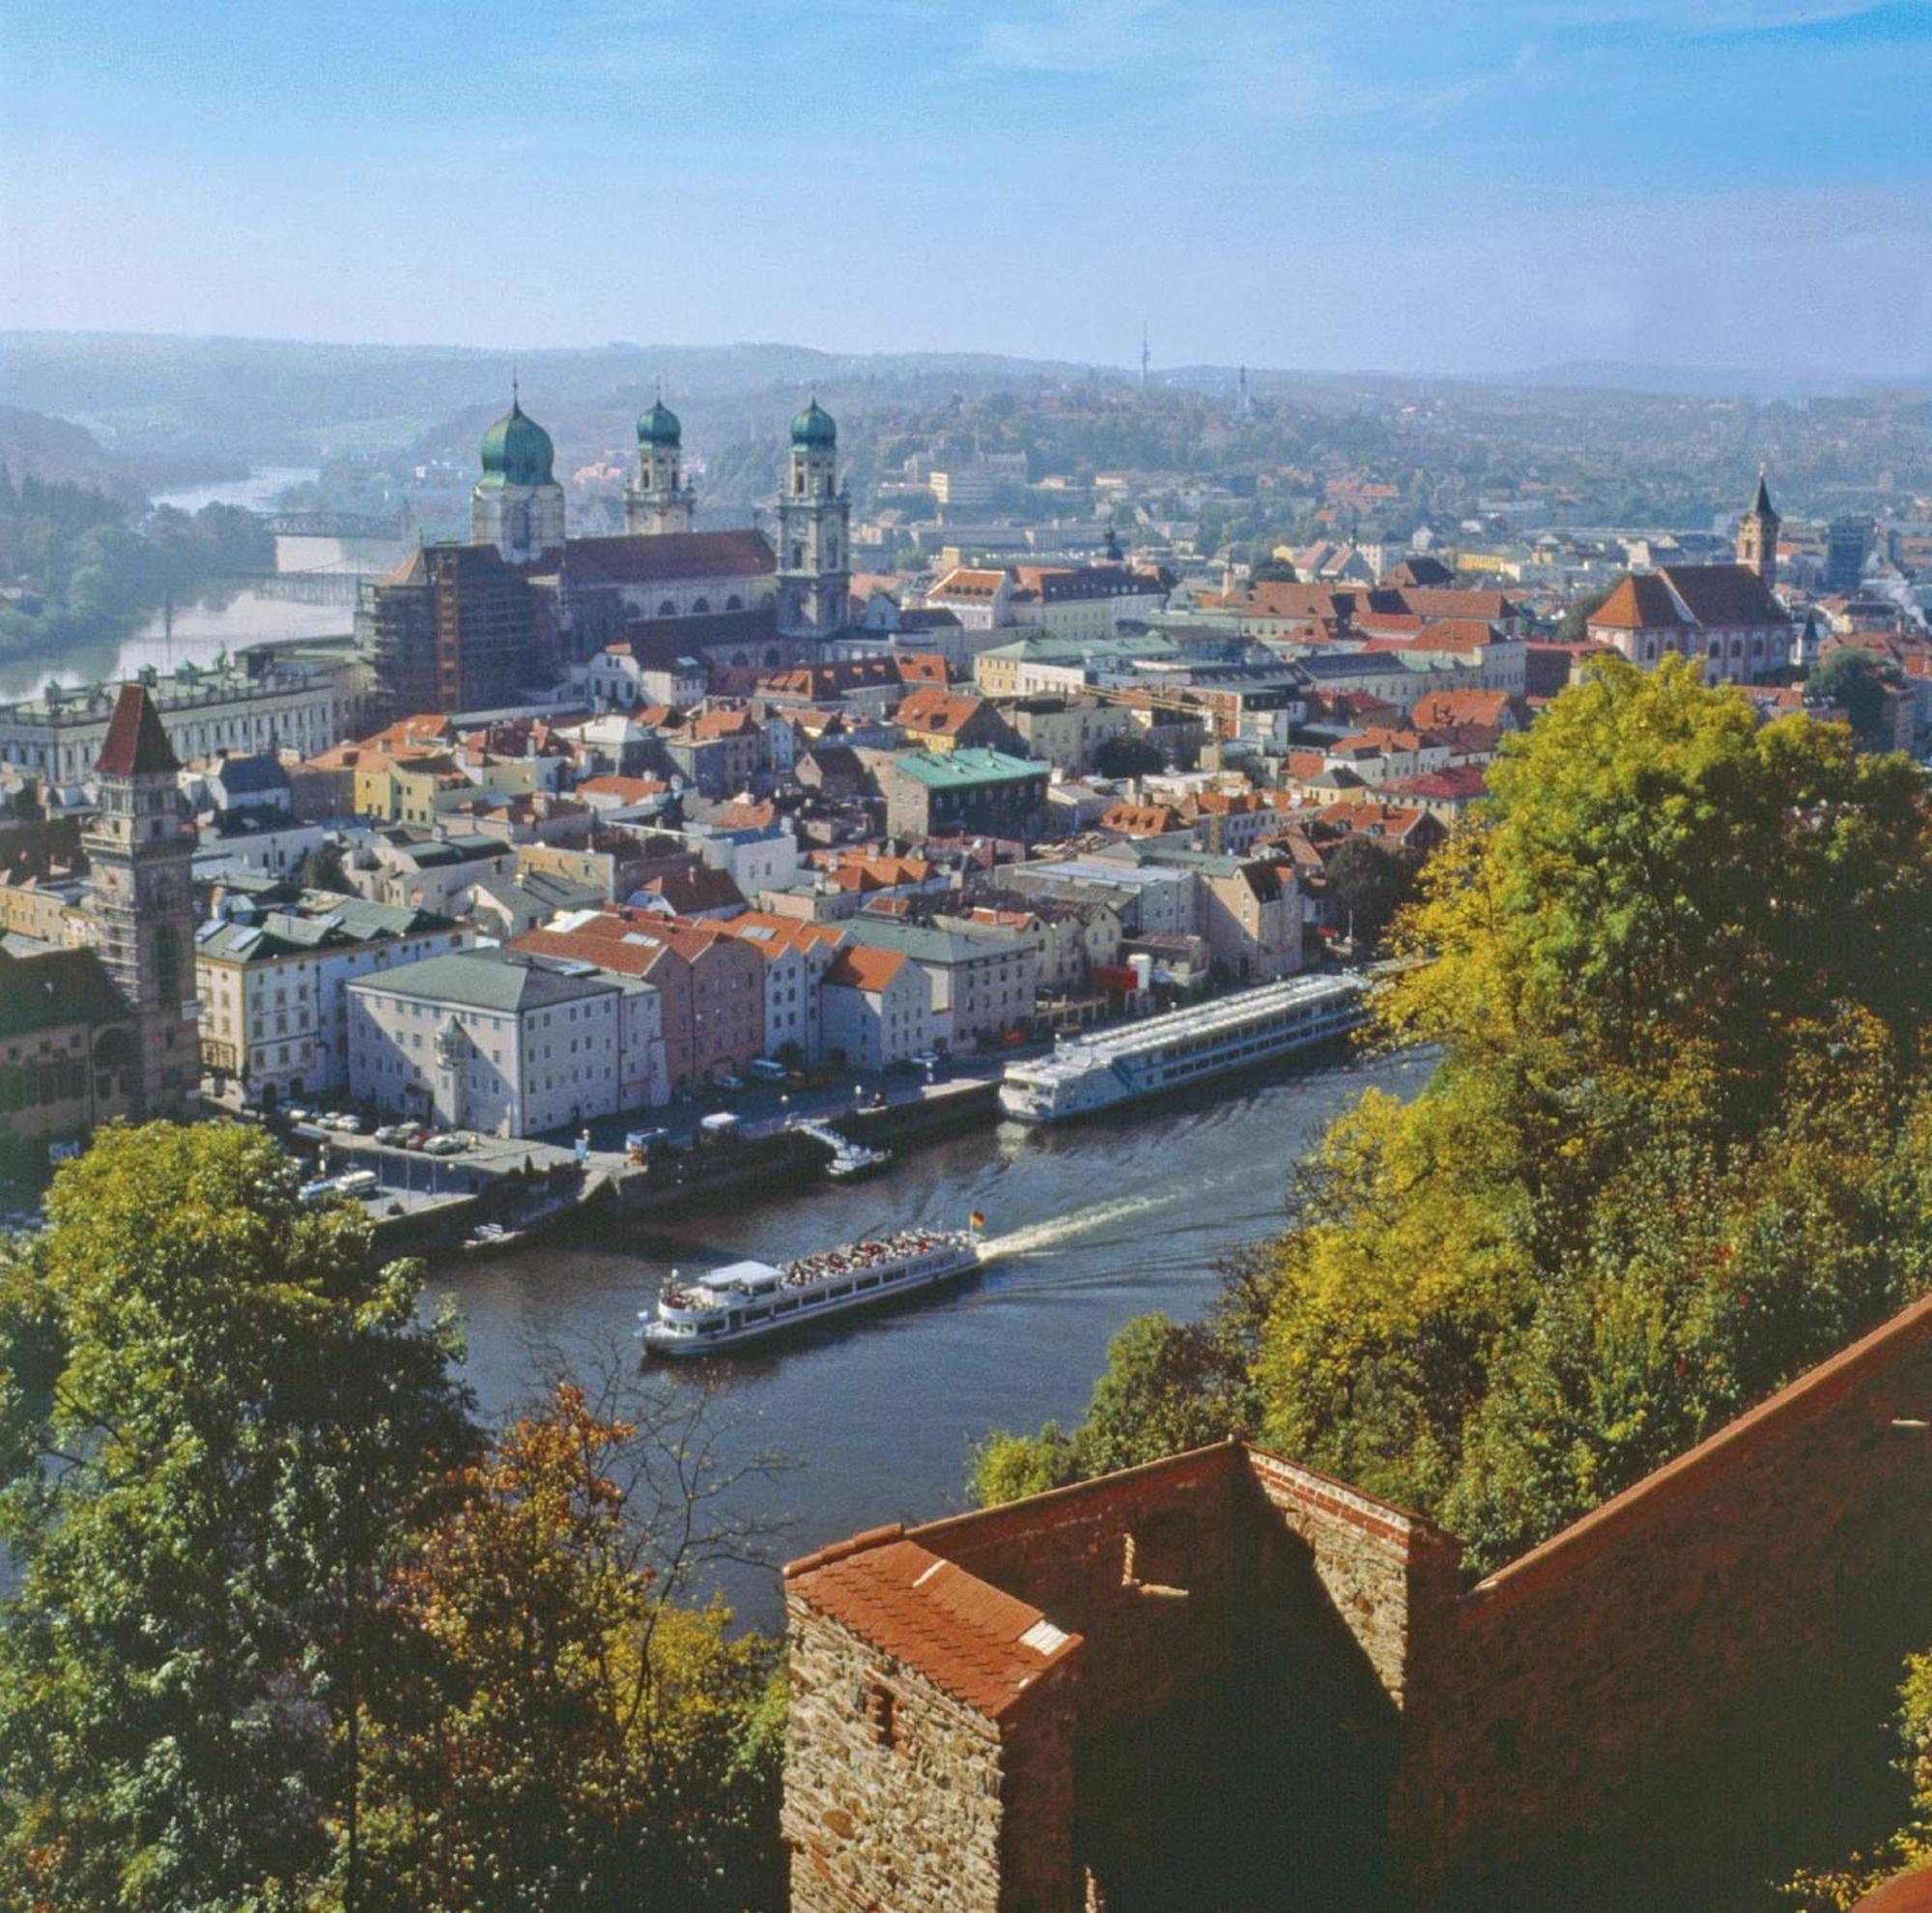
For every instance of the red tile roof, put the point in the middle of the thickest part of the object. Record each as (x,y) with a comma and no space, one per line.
(136,743)
(983,1647)
(1641,602)
(668,557)
(857,967)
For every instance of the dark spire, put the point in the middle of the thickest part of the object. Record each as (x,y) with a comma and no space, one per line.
(1761,504)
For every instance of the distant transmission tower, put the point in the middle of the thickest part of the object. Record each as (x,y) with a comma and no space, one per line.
(1146,357)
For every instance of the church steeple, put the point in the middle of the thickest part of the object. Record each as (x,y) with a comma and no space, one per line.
(657,500)
(1757,534)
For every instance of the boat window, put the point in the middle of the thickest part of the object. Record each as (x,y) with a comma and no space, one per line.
(833,1295)
(867,1282)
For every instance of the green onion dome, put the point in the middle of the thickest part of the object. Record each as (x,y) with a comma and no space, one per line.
(659,426)
(813,428)
(516,450)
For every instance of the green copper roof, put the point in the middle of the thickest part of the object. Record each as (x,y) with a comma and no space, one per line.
(659,426)
(940,770)
(516,450)
(813,426)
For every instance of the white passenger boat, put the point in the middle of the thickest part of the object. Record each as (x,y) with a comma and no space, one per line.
(747,1301)
(1205,1039)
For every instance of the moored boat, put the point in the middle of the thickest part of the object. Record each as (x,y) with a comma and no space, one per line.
(745,1302)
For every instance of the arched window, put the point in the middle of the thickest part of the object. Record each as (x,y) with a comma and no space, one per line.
(701,606)
(1716,649)
(1757,646)
(734,602)
(1650,650)
(667,609)
(1737,647)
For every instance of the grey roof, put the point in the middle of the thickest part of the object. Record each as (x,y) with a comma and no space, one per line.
(501,980)
(322,919)
(925,945)
(258,773)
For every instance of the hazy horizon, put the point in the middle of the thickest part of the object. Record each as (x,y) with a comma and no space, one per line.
(1395,185)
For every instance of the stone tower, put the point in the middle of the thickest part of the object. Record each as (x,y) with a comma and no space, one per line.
(814,526)
(657,498)
(517,505)
(1757,536)
(141,858)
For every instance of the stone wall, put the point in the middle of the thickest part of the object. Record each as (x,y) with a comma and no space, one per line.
(913,1823)
(1687,1691)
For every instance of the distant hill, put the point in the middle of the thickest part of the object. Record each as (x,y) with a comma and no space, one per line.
(33,445)
(271,400)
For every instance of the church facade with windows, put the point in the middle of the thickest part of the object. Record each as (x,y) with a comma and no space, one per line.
(1726,617)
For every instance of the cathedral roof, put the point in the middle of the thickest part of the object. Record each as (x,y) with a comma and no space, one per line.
(659,426)
(813,427)
(516,450)
(136,743)
(668,557)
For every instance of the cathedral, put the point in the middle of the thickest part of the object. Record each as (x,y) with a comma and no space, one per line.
(484,624)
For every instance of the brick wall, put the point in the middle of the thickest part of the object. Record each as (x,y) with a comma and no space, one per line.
(1690,1687)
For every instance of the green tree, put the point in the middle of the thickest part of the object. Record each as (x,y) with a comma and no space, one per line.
(1369,884)
(217,1415)
(1571,628)
(1678,1145)
(1127,757)
(1857,683)
(324,868)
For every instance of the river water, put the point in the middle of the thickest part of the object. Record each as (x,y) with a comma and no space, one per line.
(1086,1226)
(222,618)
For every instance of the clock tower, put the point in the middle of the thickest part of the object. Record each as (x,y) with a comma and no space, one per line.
(141,859)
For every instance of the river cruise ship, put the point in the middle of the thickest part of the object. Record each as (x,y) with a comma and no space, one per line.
(748,1301)
(1092,1073)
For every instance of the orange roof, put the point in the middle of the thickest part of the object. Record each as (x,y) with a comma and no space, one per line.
(1140,819)
(983,1647)
(942,712)
(857,967)
(1444,710)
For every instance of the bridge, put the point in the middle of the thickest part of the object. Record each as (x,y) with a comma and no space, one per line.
(334,525)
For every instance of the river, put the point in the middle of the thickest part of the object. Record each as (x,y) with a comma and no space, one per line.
(222,619)
(1085,1225)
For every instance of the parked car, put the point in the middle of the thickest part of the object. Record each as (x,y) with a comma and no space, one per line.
(767,1069)
(301,1113)
(358,1182)
(348,1124)
(729,1085)
(444,1145)
(930,1059)
(391,1133)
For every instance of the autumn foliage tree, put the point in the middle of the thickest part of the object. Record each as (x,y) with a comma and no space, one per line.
(1678,1145)
(563,1731)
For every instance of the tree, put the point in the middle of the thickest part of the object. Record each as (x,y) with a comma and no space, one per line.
(1369,884)
(1127,757)
(1678,1146)
(323,868)
(1571,628)
(217,1415)
(570,1733)
(1858,684)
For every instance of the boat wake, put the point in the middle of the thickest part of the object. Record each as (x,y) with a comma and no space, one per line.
(1076,1223)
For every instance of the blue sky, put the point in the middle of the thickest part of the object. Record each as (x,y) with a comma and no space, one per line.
(1423,184)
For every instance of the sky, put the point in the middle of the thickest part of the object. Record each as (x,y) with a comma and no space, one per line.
(1429,186)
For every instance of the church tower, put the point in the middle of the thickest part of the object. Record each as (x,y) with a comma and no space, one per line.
(517,505)
(141,860)
(814,526)
(657,498)
(1757,536)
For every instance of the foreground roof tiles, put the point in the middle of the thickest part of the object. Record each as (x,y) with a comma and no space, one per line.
(983,1647)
